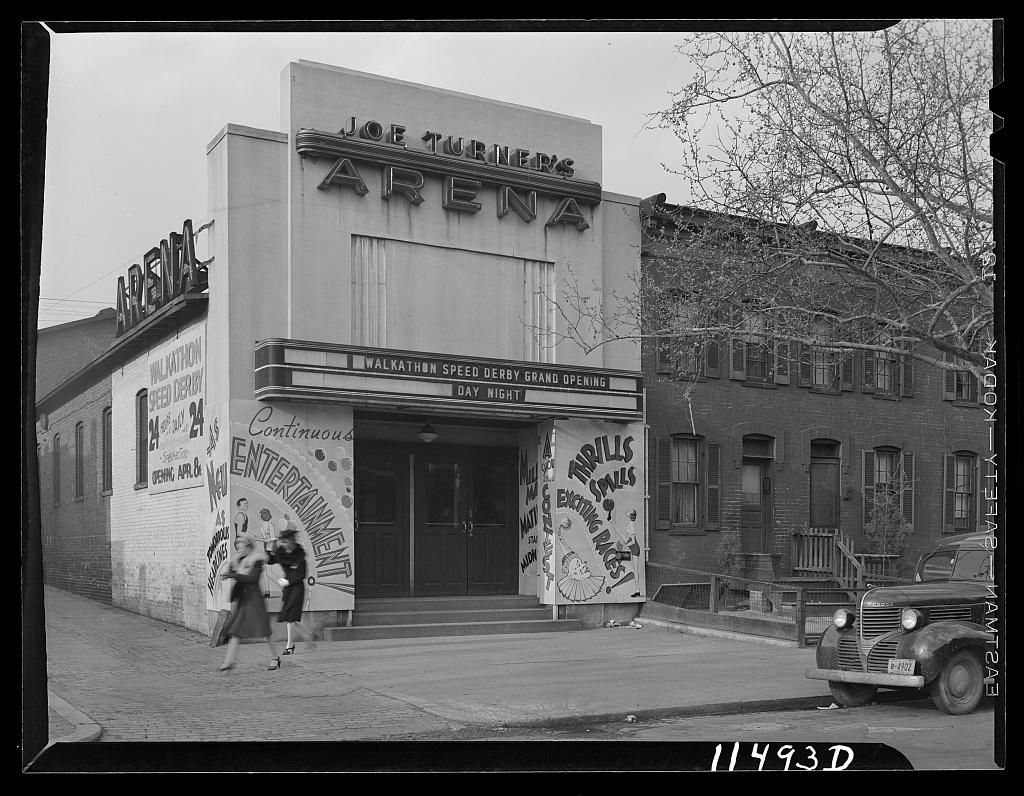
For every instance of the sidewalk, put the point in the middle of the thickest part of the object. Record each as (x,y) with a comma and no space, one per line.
(140,679)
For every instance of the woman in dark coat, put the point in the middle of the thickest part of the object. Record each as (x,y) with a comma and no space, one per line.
(249,615)
(292,559)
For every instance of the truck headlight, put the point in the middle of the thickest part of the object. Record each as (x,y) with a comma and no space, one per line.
(911,618)
(843,617)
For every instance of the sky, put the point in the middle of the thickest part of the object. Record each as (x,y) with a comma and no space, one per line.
(130,115)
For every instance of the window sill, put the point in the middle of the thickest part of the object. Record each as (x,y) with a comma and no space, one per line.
(686,532)
(965,404)
(79,499)
(825,391)
(141,485)
(761,384)
(106,493)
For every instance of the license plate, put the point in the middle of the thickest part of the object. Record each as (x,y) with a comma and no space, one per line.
(901,666)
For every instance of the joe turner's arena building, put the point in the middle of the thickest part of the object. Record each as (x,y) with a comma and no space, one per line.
(360,338)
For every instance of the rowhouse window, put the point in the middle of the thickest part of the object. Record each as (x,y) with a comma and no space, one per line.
(887,373)
(755,357)
(79,461)
(888,480)
(684,482)
(689,476)
(824,370)
(684,354)
(108,458)
(142,438)
(960,500)
(959,385)
(55,472)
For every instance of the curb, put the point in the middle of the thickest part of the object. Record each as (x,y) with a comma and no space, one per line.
(709,709)
(86,730)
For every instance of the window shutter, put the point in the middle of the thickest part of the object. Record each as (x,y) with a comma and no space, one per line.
(804,353)
(713,480)
(737,358)
(907,460)
(664,364)
(949,470)
(712,356)
(907,375)
(948,380)
(868,483)
(782,362)
(664,475)
(868,370)
(846,372)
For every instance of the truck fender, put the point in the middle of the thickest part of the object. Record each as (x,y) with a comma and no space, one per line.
(934,644)
(826,654)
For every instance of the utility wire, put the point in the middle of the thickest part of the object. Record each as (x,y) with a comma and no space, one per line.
(121,267)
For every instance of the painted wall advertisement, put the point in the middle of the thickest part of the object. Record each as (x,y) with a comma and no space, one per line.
(276,464)
(177,422)
(591,512)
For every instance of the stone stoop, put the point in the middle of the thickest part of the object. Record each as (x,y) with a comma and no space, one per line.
(419,617)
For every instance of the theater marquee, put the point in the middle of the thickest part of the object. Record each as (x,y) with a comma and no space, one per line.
(300,370)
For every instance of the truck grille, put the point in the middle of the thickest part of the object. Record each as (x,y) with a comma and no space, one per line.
(939,613)
(847,656)
(879,655)
(876,621)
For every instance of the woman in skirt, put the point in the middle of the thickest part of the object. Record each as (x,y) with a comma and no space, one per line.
(249,615)
(292,559)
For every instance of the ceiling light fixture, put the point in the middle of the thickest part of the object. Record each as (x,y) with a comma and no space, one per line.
(427,433)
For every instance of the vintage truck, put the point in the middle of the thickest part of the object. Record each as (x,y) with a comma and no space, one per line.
(932,634)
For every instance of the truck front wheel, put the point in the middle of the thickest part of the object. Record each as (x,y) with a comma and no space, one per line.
(852,695)
(958,688)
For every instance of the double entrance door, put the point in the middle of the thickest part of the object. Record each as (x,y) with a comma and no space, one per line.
(451,507)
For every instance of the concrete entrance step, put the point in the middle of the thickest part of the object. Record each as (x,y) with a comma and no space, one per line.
(459,603)
(364,618)
(361,633)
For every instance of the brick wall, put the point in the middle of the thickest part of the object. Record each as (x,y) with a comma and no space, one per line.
(157,551)
(61,351)
(75,532)
(724,410)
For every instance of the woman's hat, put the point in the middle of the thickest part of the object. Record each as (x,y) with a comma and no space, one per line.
(289,530)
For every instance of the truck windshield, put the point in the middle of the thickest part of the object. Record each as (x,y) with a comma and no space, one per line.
(972,565)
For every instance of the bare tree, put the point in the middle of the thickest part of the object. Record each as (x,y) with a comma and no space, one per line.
(842,199)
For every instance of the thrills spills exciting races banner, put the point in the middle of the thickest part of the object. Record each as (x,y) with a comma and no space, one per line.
(591,512)
(177,422)
(289,464)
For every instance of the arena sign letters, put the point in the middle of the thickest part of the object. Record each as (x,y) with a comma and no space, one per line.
(148,288)
(465,166)
(300,370)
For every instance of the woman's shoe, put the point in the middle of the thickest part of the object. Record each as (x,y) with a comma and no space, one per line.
(288,650)
(275,663)
(227,667)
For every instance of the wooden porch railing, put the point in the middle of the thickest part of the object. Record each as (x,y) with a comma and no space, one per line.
(813,552)
(846,568)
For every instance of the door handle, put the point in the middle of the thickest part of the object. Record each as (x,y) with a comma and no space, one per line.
(463,527)
(470,527)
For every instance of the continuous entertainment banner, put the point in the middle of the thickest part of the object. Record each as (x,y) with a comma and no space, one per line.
(277,464)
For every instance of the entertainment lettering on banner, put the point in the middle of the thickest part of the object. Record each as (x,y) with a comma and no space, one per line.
(293,463)
(598,513)
(176,427)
